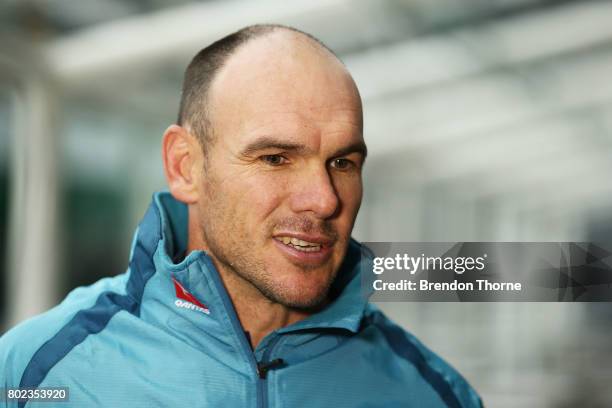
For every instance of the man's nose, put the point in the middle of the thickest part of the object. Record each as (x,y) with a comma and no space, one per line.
(314,191)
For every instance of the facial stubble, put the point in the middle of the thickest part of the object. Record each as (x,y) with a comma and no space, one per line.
(226,238)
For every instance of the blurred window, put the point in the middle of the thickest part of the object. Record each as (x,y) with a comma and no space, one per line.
(92,227)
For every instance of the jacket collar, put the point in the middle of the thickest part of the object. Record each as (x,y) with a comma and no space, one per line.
(163,232)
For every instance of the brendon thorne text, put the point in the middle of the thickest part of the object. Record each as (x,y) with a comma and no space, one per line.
(425,285)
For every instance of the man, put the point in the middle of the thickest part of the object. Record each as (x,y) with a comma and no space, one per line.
(243,286)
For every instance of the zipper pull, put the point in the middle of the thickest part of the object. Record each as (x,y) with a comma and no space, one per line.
(263,368)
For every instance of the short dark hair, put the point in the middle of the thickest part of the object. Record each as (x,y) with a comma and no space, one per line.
(203,68)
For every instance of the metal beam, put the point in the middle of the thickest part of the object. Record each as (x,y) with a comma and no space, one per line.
(173,34)
(32,230)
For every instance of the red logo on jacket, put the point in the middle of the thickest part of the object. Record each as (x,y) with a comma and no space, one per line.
(186,300)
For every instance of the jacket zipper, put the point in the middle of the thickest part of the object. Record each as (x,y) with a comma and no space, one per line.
(262,371)
(262,394)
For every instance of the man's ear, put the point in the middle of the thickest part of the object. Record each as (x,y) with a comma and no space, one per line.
(183,163)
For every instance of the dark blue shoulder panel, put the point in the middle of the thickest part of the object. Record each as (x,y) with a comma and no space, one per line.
(94,319)
(396,337)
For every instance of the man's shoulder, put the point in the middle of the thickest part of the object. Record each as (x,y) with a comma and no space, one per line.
(406,348)
(20,344)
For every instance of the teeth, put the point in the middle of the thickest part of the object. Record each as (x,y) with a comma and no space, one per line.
(300,245)
(299,242)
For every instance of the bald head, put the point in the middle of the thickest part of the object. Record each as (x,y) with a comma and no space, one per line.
(274,56)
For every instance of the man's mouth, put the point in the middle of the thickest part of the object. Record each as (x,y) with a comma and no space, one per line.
(299,244)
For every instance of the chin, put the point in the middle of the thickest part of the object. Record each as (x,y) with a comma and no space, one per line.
(306,304)
(299,294)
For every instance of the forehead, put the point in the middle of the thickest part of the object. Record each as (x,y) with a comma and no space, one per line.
(284,82)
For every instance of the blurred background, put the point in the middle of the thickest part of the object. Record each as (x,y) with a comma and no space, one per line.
(487,120)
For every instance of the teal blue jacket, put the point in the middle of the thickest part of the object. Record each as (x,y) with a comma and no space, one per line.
(165,334)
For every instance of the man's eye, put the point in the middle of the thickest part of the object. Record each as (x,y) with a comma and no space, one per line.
(274,159)
(341,164)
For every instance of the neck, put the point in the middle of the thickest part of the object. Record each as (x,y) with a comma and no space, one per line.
(258,315)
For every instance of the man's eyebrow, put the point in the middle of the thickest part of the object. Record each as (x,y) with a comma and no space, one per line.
(268,142)
(357,147)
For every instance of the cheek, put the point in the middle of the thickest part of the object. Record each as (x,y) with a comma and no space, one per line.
(350,191)
(255,197)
